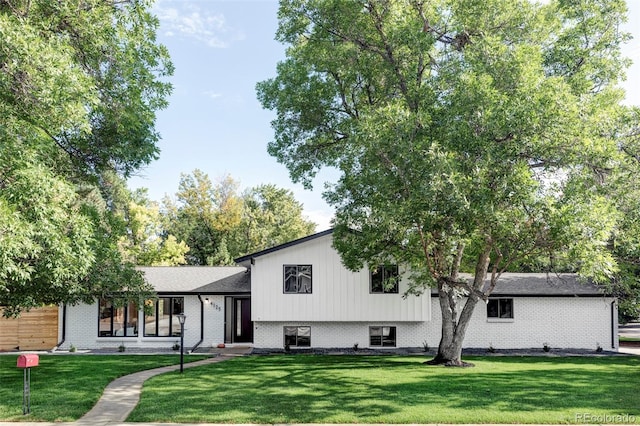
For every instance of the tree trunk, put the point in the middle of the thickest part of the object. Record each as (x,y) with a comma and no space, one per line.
(454,326)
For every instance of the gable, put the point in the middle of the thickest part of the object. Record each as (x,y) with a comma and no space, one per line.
(333,293)
(249,259)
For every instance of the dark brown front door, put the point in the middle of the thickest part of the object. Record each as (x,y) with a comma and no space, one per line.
(239,328)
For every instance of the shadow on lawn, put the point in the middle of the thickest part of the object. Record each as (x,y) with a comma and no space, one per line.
(301,388)
(63,388)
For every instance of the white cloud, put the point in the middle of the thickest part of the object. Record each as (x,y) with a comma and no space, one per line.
(212,94)
(189,20)
(322,218)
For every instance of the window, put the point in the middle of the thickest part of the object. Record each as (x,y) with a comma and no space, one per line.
(160,319)
(297,278)
(297,336)
(384,336)
(117,321)
(384,279)
(500,308)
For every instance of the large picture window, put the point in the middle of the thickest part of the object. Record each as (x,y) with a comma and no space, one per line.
(117,321)
(161,320)
(383,336)
(297,336)
(297,278)
(384,279)
(500,308)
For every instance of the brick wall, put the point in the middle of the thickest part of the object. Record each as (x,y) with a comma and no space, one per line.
(560,322)
(82,327)
(338,334)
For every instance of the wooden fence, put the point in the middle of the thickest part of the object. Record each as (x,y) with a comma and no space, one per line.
(33,330)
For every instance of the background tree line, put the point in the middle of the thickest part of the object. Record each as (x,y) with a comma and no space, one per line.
(206,223)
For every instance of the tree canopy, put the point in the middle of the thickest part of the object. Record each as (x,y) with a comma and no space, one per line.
(146,242)
(79,87)
(271,216)
(219,224)
(470,135)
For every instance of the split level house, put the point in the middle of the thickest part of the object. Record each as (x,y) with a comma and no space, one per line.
(299,295)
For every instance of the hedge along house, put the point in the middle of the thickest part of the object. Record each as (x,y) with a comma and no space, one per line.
(302,296)
(216,301)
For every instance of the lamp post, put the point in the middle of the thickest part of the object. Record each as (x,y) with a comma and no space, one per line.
(181,317)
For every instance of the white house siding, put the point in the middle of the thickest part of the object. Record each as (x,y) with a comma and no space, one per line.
(339,334)
(82,327)
(560,322)
(338,295)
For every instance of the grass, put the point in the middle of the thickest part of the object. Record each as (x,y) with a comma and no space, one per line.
(363,389)
(63,388)
(629,339)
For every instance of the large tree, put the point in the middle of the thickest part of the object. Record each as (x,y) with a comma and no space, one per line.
(622,184)
(270,216)
(470,135)
(204,215)
(146,242)
(219,225)
(80,82)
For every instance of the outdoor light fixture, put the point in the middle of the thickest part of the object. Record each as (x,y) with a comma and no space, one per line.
(181,318)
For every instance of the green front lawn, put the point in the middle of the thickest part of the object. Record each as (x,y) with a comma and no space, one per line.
(65,387)
(393,389)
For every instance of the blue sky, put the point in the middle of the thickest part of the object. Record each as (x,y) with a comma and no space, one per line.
(221,49)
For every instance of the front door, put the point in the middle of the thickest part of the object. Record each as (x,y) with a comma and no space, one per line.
(239,327)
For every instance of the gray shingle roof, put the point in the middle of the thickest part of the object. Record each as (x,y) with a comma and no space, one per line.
(542,284)
(198,279)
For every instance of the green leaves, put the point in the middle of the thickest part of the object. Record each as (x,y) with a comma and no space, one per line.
(85,77)
(147,243)
(270,216)
(45,240)
(487,125)
(80,82)
(218,224)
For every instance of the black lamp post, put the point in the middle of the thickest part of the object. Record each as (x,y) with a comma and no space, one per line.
(181,317)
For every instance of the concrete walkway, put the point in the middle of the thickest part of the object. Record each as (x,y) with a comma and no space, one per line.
(122,395)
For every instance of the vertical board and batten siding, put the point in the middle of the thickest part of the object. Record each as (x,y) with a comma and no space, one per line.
(337,293)
(33,330)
